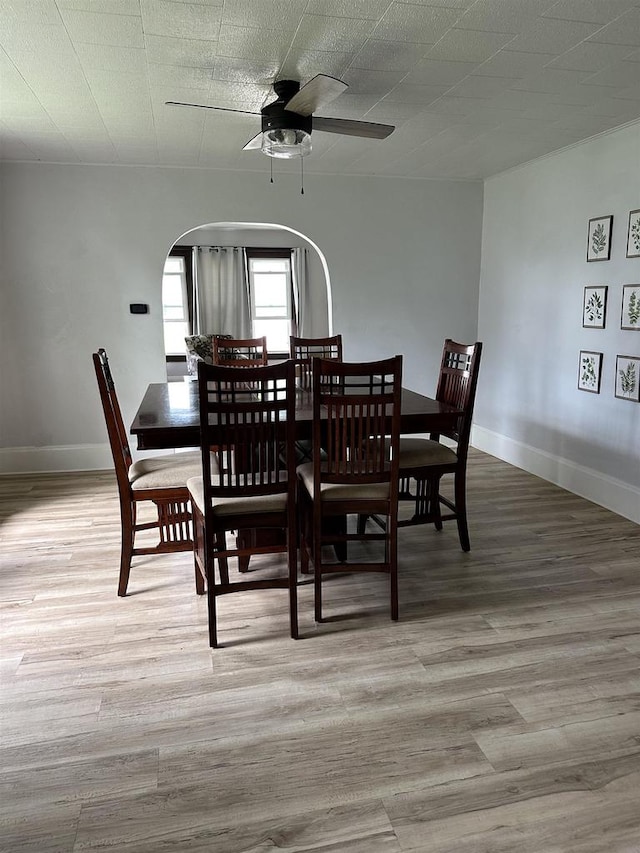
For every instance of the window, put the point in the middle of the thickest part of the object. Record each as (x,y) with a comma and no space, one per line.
(176,281)
(270,284)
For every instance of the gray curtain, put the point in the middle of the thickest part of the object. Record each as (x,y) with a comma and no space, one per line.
(221,292)
(301,298)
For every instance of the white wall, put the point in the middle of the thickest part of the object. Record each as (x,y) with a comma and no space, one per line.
(529,410)
(261,237)
(80,243)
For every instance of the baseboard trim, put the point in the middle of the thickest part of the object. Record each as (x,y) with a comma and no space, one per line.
(55,459)
(67,457)
(621,498)
(608,492)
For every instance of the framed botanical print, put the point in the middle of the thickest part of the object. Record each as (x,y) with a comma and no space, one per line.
(589,371)
(594,306)
(628,377)
(599,238)
(633,235)
(630,318)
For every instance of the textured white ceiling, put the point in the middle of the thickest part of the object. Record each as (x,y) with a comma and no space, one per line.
(473,86)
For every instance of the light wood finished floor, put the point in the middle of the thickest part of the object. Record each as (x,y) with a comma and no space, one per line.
(500,715)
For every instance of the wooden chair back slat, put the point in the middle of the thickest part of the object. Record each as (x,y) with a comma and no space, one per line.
(356,406)
(118,440)
(247,427)
(457,384)
(240,352)
(304,350)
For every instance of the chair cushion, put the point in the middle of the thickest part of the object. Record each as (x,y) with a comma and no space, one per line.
(236,506)
(421,452)
(201,346)
(165,472)
(340,492)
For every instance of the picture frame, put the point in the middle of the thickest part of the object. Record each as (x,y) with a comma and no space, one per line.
(633,234)
(630,314)
(594,306)
(589,371)
(627,385)
(599,238)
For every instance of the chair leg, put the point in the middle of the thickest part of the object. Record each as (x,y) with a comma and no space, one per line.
(337,525)
(200,584)
(211,606)
(317,576)
(292,558)
(434,503)
(317,591)
(197,526)
(460,490)
(392,545)
(127,526)
(210,557)
(223,563)
(245,539)
(304,555)
(303,528)
(391,558)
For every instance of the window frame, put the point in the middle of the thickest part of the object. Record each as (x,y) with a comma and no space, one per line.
(273,253)
(185,252)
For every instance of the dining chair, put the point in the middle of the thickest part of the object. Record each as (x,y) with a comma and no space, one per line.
(426,461)
(355,405)
(161,480)
(303,350)
(240,352)
(248,481)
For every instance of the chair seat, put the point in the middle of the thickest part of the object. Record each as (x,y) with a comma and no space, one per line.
(340,492)
(165,472)
(234,506)
(421,452)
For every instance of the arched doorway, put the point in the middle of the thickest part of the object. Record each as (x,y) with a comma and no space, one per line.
(267,252)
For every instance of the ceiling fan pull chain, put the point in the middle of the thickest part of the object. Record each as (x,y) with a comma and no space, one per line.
(301,176)
(271,164)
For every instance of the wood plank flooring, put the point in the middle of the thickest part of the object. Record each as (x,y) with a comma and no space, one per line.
(501,714)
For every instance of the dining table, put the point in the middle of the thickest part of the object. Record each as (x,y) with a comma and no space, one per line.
(168,415)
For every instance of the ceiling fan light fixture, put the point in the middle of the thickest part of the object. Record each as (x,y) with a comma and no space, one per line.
(286,143)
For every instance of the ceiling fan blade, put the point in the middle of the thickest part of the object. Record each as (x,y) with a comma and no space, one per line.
(320,90)
(207,107)
(254,142)
(368,129)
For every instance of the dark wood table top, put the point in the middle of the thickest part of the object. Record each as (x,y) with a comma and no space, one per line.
(168,415)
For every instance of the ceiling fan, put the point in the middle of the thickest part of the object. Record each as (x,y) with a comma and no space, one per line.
(288,121)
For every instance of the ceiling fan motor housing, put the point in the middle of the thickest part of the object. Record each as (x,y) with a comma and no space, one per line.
(276,117)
